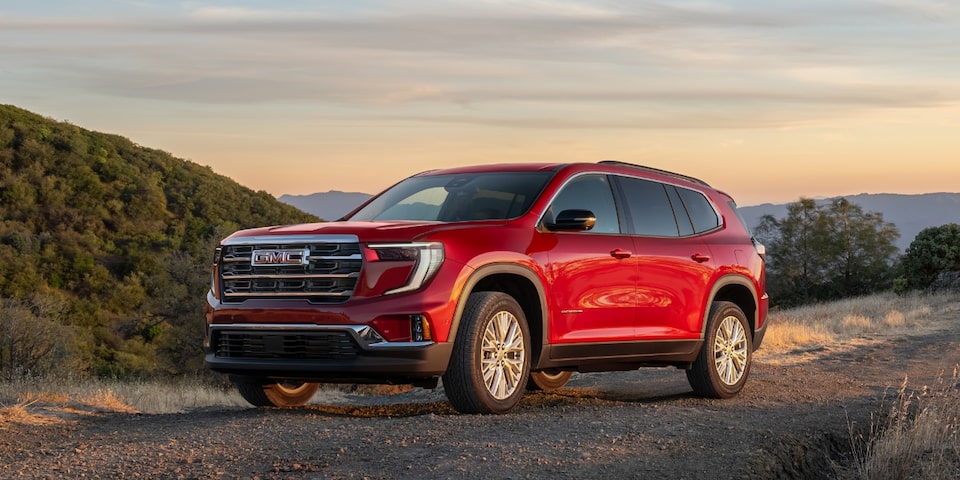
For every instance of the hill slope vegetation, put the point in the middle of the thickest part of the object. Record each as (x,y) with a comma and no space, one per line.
(105,246)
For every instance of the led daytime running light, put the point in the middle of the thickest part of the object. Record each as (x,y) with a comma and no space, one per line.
(429,256)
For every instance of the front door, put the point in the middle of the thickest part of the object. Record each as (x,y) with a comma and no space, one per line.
(593,272)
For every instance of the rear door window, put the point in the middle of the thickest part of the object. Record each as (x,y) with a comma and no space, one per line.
(649,208)
(683,219)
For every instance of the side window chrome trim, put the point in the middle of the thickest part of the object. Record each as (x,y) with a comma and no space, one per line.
(720,219)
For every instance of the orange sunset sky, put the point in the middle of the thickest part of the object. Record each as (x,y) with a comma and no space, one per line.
(769,101)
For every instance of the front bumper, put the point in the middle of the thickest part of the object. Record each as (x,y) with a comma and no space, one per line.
(322,353)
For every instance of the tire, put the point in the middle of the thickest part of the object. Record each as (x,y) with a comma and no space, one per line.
(548,380)
(723,365)
(276,394)
(490,362)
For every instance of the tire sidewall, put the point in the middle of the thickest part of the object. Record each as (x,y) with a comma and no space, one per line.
(290,394)
(722,311)
(547,380)
(482,308)
(503,303)
(273,393)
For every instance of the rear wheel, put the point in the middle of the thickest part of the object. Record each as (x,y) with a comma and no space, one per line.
(548,380)
(723,365)
(490,361)
(263,393)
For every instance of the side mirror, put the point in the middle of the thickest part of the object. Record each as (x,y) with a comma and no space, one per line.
(572,220)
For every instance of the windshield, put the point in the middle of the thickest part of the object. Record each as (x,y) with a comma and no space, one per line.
(457,197)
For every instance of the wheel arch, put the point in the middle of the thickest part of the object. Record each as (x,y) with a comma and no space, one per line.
(521,283)
(738,290)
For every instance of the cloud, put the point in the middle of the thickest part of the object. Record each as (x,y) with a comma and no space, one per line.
(696,64)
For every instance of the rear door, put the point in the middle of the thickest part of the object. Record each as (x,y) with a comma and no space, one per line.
(674,264)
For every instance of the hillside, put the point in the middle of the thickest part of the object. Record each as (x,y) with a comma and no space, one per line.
(105,246)
(910,213)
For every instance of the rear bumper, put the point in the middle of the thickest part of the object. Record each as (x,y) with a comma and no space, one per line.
(764,309)
(758,336)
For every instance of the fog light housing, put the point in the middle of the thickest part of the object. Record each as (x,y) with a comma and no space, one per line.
(420,329)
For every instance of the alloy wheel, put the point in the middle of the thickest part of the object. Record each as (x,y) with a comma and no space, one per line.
(503,355)
(730,350)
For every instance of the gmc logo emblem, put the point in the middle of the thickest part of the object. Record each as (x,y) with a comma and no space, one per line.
(280,257)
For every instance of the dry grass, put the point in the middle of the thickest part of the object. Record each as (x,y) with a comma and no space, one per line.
(20,413)
(156,397)
(848,323)
(57,399)
(917,436)
(40,400)
(14,413)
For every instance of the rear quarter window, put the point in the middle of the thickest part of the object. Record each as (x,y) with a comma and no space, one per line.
(700,210)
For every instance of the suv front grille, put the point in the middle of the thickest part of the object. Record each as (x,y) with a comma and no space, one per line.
(323,272)
(300,345)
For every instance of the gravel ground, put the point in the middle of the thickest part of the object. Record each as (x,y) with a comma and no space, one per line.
(791,421)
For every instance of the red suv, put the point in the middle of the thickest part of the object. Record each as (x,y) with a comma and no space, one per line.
(497,279)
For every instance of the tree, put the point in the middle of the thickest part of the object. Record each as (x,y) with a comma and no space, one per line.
(863,249)
(32,339)
(795,266)
(824,252)
(934,250)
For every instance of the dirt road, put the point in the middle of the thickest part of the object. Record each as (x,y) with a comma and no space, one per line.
(791,421)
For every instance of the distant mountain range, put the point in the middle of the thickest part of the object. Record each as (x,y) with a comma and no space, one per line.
(910,213)
(329,206)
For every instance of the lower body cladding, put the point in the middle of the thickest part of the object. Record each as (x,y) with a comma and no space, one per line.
(323,353)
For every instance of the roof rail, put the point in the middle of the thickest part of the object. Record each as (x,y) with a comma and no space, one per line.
(655,170)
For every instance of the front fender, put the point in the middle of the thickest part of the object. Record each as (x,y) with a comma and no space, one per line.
(479,280)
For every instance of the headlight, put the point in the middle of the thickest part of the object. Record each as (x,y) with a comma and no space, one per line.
(427,257)
(215,270)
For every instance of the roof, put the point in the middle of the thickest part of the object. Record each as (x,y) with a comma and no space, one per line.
(540,167)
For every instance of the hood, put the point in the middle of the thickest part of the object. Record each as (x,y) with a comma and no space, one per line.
(366,231)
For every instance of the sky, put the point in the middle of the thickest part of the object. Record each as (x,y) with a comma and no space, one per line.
(769,101)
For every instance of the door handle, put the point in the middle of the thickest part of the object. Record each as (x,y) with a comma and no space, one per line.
(618,253)
(699,258)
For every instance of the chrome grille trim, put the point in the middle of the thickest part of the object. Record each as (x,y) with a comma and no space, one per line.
(293,294)
(328,275)
(248,277)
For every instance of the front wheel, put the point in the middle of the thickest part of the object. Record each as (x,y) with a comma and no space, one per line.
(276,394)
(723,365)
(490,360)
